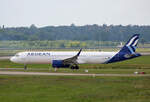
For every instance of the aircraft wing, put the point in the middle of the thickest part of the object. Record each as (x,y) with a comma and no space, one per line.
(72,60)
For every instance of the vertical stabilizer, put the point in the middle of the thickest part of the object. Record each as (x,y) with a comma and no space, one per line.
(128,50)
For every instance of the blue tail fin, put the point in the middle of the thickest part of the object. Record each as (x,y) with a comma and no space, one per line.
(128,51)
(131,45)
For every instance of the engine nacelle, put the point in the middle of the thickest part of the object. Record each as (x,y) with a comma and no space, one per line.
(59,64)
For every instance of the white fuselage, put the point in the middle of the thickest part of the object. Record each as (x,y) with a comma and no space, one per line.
(47,57)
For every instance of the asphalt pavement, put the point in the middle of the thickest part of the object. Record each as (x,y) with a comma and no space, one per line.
(67,74)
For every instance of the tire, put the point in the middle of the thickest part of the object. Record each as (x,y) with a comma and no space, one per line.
(76,67)
(72,67)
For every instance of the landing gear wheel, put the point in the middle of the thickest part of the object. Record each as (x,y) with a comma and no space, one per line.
(75,67)
(72,67)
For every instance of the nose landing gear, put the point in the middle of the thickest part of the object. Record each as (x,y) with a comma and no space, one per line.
(25,67)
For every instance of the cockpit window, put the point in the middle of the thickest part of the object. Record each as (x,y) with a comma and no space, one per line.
(17,55)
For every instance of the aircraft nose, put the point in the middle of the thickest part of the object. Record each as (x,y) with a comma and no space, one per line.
(13,59)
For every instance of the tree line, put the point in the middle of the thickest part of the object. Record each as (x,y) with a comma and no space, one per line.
(56,44)
(94,32)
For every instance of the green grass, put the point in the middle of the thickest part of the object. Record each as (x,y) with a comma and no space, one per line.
(74,89)
(19,88)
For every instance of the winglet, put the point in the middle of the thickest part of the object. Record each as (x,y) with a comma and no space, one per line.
(79,52)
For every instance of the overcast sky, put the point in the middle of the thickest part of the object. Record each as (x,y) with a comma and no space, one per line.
(15,13)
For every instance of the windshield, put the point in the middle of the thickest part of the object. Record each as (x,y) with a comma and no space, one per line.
(17,55)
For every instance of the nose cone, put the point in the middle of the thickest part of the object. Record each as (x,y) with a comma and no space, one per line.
(13,59)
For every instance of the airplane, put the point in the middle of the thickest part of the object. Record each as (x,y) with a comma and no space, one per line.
(71,59)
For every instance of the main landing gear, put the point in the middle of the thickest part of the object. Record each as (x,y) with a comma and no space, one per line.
(75,67)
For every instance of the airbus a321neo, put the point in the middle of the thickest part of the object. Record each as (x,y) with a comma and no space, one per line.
(71,59)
